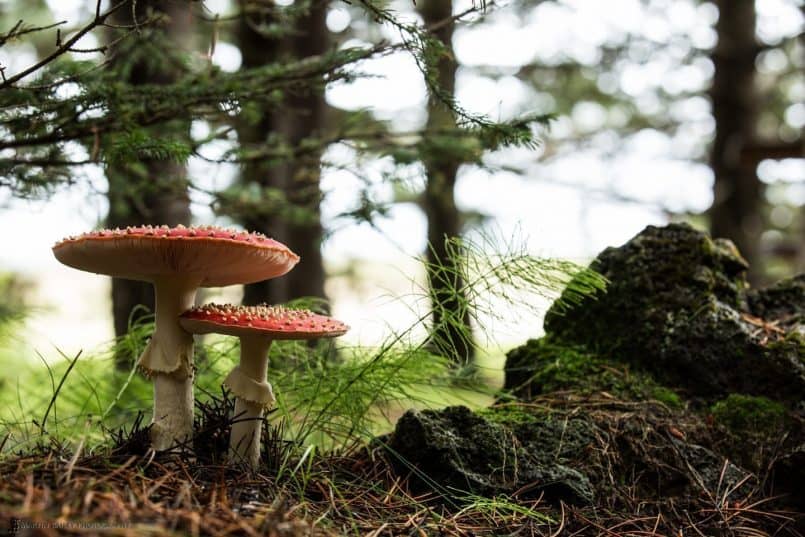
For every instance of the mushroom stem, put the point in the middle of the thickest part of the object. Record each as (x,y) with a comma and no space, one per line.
(244,440)
(172,423)
(169,359)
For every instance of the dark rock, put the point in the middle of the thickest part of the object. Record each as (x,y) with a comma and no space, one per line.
(678,306)
(522,363)
(783,302)
(788,476)
(456,449)
(670,467)
(561,455)
(712,473)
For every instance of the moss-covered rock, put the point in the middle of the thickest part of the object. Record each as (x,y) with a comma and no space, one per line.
(566,452)
(546,365)
(783,301)
(678,305)
(456,449)
(542,365)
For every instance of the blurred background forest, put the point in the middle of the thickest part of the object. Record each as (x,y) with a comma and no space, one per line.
(361,132)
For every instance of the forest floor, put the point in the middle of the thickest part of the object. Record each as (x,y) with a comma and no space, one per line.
(127,490)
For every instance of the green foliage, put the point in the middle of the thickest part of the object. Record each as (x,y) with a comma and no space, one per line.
(66,100)
(749,415)
(326,402)
(427,51)
(501,508)
(13,311)
(273,21)
(137,145)
(81,103)
(348,400)
(497,281)
(254,202)
(666,396)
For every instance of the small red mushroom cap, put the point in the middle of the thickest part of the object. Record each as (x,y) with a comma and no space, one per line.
(275,322)
(213,255)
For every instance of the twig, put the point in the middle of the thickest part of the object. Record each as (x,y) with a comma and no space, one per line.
(99,19)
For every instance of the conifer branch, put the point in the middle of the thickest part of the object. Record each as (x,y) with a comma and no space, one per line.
(17,31)
(66,46)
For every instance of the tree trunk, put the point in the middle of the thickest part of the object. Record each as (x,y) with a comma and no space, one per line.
(306,119)
(147,191)
(736,212)
(299,224)
(451,321)
(258,50)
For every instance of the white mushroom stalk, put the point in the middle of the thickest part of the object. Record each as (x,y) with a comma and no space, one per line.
(177,261)
(168,360)
(254,397)
(257,327)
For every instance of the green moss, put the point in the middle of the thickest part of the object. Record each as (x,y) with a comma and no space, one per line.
(562,367)
(749,414)
(667,396)
(546,365)
(508,414)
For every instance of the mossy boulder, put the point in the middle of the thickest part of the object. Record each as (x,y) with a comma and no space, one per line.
(455,450)
(783,302)
(545,365)
(611,454)
(678,305)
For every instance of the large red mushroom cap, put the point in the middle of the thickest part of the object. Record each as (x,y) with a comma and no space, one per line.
(274,322)
(215,256)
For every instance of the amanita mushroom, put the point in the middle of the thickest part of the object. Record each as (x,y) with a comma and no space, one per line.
(177,261)
(257,327)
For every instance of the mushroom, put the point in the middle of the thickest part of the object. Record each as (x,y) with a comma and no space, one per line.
(257,327)
(177,261)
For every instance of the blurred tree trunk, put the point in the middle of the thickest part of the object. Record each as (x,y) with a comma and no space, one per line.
(449,336)
(257,50)
(736,212)
(305,118)
(147,191)
(298,223)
